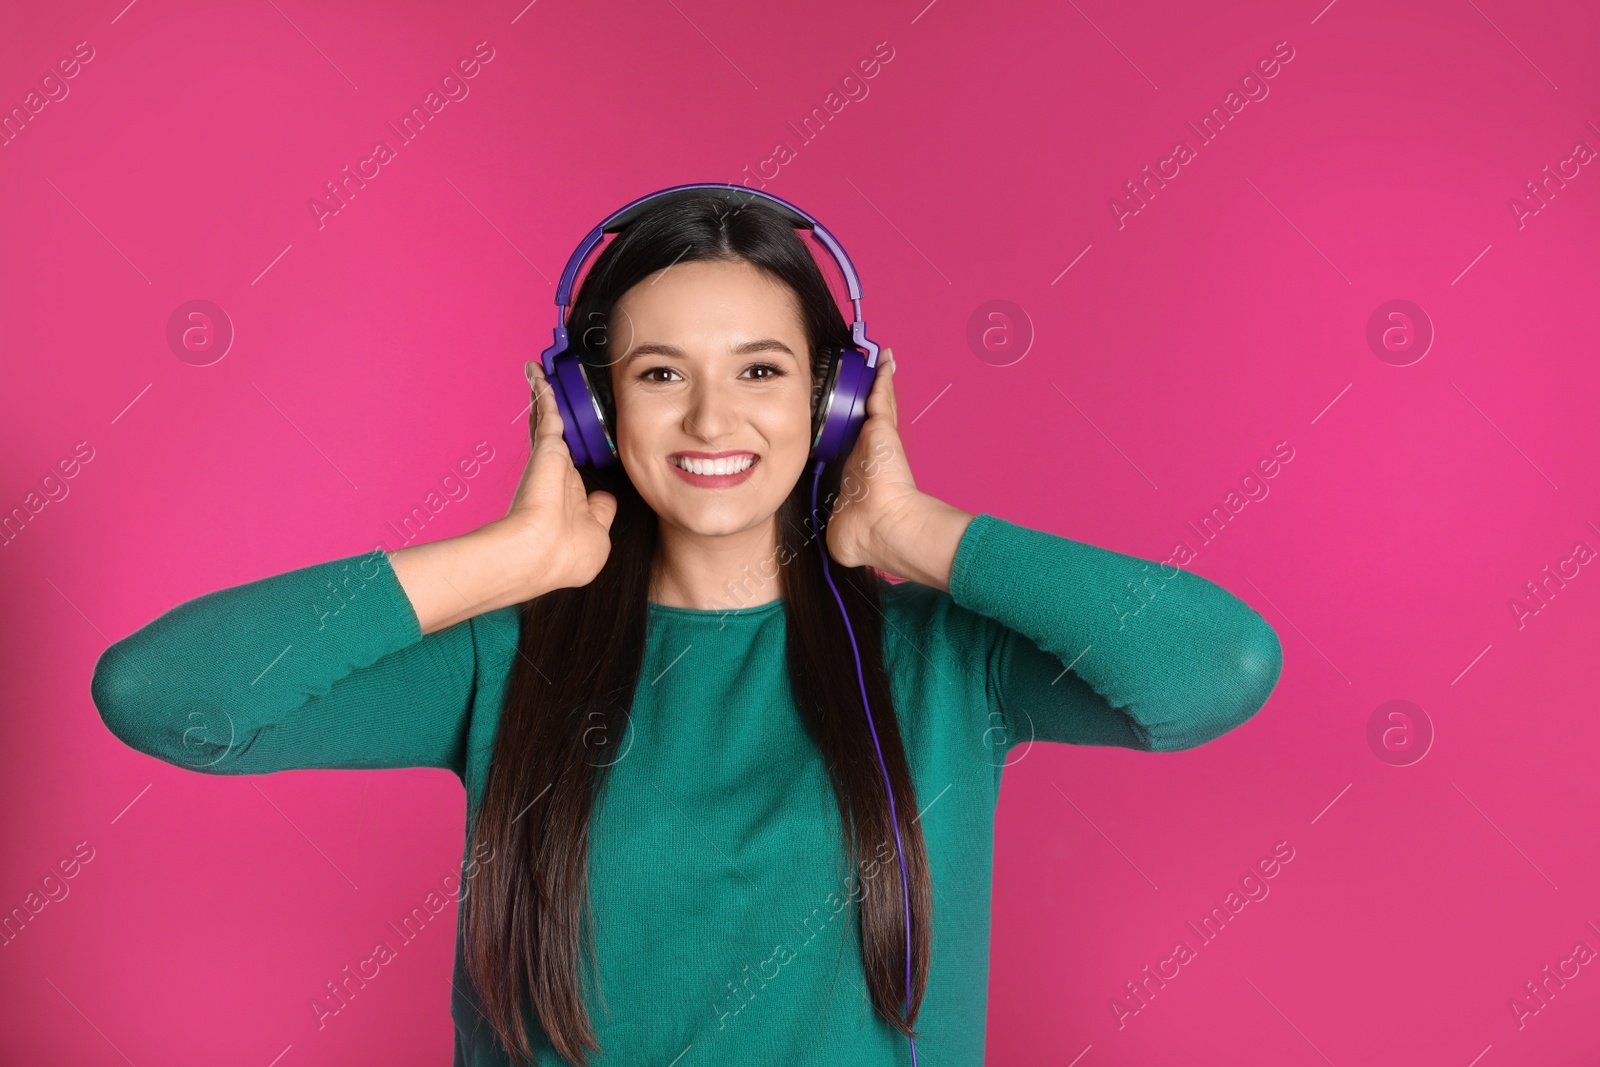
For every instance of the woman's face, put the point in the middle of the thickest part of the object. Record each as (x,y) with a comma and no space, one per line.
(711,370)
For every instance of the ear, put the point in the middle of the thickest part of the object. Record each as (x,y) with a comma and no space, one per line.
(600,383)
(821,382)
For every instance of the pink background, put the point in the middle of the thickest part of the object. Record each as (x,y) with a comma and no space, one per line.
(1226,316)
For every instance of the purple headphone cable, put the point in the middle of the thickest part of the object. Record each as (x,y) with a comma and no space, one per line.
(905,882)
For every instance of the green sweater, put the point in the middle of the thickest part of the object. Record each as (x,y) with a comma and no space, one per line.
(724,935)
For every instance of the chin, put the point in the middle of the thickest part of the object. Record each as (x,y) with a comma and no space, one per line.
(719,512)
(720,526)
(715,514)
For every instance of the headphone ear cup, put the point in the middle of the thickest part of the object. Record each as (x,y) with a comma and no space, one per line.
(842,407)
(582,420)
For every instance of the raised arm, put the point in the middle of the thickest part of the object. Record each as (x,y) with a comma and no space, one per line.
(1097,647)
(367,661)
(324,666)
(1078,643)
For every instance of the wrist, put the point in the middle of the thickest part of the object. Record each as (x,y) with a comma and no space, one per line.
(919,540)
(452,580)
(514,562)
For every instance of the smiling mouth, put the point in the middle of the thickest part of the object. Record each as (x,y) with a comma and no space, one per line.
(722,470)
(715,467)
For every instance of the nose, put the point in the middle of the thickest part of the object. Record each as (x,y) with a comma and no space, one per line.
(712,412)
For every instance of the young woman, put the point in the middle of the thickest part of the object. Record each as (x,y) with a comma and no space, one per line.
(681,843)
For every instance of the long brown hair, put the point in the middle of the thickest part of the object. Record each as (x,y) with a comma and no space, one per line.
(527,920)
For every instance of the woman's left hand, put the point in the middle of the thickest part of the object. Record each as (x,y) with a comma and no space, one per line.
(880,519)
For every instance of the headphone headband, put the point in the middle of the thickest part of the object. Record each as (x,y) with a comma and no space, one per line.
(737,195)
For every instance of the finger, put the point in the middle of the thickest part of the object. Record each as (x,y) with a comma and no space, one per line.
(547,417)
(880,401)
(894,399)
(550,443)
(539,388)
(603,506)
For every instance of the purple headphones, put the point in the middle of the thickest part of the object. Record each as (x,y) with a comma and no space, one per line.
(842,407)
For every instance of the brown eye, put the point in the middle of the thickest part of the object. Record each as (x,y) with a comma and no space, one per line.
(647,375)
(773,372)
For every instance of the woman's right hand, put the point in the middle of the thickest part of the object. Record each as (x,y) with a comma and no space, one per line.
(568,529)
(553,537)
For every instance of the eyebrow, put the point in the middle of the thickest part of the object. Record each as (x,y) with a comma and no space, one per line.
(661,348)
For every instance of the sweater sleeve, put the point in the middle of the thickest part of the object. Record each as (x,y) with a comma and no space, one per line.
(324,666)
(1091,646)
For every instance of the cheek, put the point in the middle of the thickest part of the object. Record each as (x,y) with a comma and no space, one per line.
(787,431)
(785,422)
(639,434)
(642,420)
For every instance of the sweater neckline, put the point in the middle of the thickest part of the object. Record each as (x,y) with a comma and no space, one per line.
(760,611)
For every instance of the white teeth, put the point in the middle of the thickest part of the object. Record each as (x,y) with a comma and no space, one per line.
(725,465)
